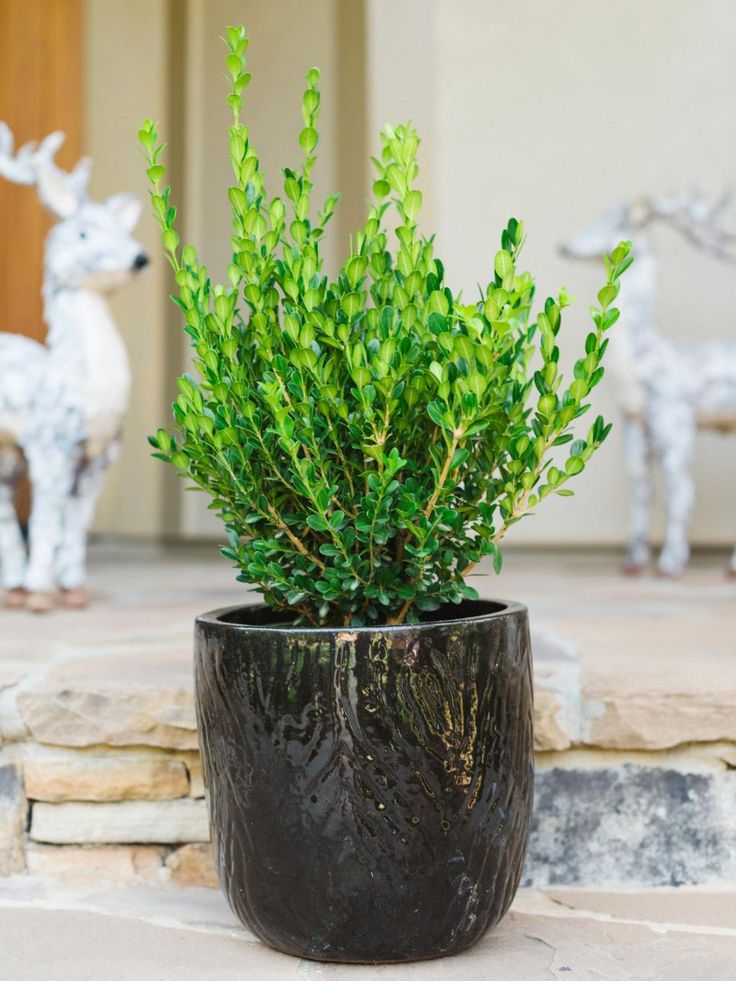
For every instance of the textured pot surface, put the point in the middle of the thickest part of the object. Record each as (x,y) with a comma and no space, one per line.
(370,789)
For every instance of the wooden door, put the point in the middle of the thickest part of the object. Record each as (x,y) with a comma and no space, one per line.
(41,64)
(41,52)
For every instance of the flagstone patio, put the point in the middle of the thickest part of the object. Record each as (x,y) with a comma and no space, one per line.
(105,931)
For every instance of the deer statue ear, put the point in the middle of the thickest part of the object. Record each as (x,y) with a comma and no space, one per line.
(639,213)
(126,209)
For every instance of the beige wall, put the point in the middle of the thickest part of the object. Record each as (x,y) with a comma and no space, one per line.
(127,70)
(551,110)
(287,38)
(554,110)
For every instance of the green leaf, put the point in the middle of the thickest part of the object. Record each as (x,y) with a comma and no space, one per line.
(497,560)
(308,139)
(317,522)
(412,204)
(503,264)
(459,458)
(427,603)
(607,295)
(438,303)
(233,65)
(381,189)
(155,173)
(437,415)
(238,200)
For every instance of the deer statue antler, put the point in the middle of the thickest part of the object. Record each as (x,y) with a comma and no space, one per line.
(707,224)
(18,169)
(62,192)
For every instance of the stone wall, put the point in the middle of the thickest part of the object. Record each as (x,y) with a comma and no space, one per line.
(100,776)
(100,772)
(71,811)
(13,818)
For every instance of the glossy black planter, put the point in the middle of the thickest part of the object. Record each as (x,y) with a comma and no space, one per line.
(370,789)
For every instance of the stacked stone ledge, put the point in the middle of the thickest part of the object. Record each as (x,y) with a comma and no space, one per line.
(13,818)
(100,776)
(120,813)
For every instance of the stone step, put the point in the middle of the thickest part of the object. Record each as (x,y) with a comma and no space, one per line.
(635,690)
(614,702)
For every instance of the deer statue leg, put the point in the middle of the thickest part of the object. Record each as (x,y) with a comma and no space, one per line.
(638,463)
(674,426)
(12,547)
(71,560)
(52,477)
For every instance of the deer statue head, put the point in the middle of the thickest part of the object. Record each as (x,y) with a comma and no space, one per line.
(706,224)
(91,246)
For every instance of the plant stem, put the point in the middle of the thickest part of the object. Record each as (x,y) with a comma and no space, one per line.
(457,435)
(401,615)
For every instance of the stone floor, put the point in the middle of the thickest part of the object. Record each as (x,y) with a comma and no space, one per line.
(62,932)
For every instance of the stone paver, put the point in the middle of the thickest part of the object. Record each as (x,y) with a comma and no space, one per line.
(193,865)
(657,656)
(165,822)
(115,700)
(90,865)
(167,934)
(694,907)
(103,776)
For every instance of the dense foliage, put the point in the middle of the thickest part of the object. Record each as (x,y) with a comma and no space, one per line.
(368,440)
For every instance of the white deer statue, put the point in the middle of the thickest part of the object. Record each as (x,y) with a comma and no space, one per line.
(62,404)
(667,390)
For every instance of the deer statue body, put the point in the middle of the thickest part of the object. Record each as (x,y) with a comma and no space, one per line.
(666,390)
(62,404)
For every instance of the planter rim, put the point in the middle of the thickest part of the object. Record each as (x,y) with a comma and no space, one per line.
(508,608)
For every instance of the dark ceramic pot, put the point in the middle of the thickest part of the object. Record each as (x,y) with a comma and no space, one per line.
(370,789)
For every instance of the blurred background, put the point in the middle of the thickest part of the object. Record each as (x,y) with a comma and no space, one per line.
(550,110)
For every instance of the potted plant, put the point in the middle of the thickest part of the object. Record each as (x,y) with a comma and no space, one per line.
(367,441)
